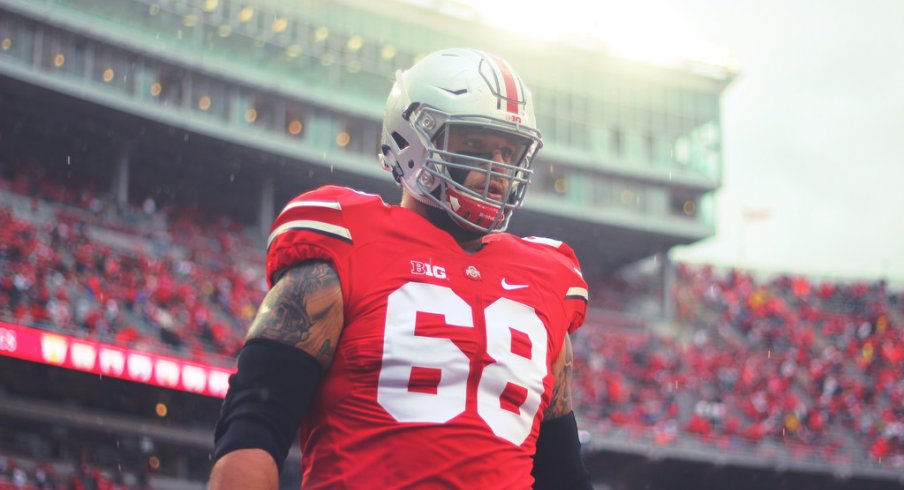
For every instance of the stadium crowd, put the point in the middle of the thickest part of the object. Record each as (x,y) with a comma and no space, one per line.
(43,475)
(158,279)
(815,366)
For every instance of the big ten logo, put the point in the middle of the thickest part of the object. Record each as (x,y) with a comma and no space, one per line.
(8,341)
(429,270)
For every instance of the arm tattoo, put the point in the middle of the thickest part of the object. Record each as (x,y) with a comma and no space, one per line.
(304,309)
(560,404)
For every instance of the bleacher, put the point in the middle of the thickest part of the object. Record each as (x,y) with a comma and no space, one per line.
(784,365)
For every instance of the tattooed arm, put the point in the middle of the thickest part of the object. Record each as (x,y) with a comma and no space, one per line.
(560,404)
(557,460)
(304,309)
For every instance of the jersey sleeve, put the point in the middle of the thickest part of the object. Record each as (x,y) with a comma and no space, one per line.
(577,295)
(574,287)
(313,226)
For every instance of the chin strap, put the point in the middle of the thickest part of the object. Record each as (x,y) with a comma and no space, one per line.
(473,211)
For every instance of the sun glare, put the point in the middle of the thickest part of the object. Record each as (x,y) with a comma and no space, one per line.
(649,30)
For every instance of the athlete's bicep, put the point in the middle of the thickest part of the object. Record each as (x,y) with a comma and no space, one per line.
(303,309)
(560,404)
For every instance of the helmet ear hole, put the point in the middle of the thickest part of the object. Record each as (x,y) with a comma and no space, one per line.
(401,142)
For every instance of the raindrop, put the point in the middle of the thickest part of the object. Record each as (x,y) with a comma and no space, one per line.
(68,160)
(231,178)
(331,168)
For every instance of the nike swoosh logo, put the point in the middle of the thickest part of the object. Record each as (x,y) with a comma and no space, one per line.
(511,287)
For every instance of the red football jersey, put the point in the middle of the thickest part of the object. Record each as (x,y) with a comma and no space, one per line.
(443,368)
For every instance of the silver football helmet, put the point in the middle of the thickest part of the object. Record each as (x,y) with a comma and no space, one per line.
(439,115)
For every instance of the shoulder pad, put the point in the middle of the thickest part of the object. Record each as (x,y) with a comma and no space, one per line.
(334,194)
(564,255)
(563,251)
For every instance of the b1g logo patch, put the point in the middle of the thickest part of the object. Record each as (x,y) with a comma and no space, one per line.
(429,270)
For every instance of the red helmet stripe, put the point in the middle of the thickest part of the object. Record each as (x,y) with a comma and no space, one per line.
(511,87)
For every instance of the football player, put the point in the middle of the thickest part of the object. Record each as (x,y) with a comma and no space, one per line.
(416,346)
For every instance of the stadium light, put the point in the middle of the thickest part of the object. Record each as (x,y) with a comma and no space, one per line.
(343,138)
(210,5)
(321,34)
(279,24)
(388,52)
(294,51)
(354,43)
(246,14)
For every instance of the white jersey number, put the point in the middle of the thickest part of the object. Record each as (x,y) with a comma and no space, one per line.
(509,389)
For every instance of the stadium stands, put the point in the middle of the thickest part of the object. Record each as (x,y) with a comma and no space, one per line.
(816,367)
(813,367)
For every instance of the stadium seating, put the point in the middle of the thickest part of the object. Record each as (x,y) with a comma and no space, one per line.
(814,366)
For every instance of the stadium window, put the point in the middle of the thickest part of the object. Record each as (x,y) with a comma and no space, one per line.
(649,146)
(171,81)
(616,142)
(550,179)
(682,151)
(601,190)
(265,107)
(683,204)
(630,196)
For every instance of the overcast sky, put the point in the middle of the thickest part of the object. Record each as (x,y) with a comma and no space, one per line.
(813,127)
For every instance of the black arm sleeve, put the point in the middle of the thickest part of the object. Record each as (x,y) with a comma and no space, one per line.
(557,462)
(267,397)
